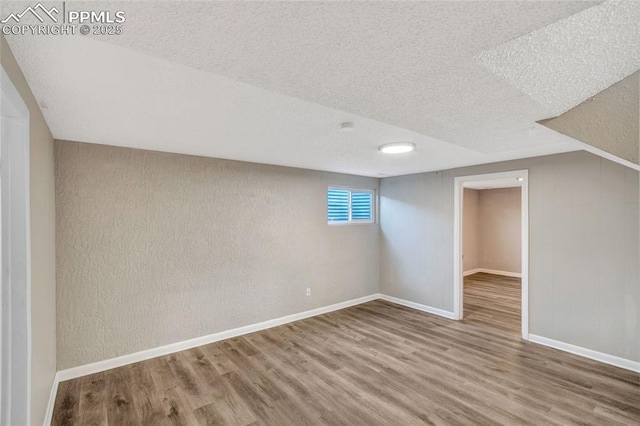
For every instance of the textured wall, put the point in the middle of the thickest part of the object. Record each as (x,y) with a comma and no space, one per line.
(471,244)
(584,278)
(500,228)
(43,260)
(155,248)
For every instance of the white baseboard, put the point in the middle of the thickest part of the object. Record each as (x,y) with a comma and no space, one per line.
(48,415)
(493,271)
(120,361)
(418,306)
(627,364)
(108,364)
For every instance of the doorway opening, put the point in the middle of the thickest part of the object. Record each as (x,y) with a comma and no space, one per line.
(491,256)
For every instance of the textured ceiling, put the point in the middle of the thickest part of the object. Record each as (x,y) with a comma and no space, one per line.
(89,96)
(567,62)
(271,81)
(609,121)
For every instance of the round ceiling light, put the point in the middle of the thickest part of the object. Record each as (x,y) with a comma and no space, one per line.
(397,148)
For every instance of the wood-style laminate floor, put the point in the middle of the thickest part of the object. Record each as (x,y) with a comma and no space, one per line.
(372,364)
(494,301)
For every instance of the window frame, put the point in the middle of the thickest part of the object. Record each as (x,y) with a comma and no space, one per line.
(352,221)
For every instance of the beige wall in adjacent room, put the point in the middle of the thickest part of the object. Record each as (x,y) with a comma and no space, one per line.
(155,248)
(500,229)
(43,284)
(470,225)
(492,229)
(584,274)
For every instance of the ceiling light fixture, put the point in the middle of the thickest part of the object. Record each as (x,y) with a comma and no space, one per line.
(397,148)
(347,126)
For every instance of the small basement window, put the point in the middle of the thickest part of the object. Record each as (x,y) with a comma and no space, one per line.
(345,206)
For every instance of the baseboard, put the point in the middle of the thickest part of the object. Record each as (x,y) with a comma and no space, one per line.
(48,415)
(627,364)
(418,306)
(120,361)
(108,364)
(493,271)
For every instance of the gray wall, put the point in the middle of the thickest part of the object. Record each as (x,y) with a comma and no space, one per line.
(155,248)
(500,228)
(584,278)
(43,260)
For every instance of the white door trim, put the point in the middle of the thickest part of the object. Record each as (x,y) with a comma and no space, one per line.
(458,275)
(15,345)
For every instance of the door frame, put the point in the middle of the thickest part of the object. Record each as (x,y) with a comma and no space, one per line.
(458,273)
(15,281)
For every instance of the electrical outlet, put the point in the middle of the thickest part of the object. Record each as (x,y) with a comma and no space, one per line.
(308,292)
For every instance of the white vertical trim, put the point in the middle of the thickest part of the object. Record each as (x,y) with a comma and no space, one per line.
(16,238)
(458,209)
(524,193)
(48,415)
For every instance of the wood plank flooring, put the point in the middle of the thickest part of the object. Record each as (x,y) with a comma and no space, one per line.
(494,301)
(372,364)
